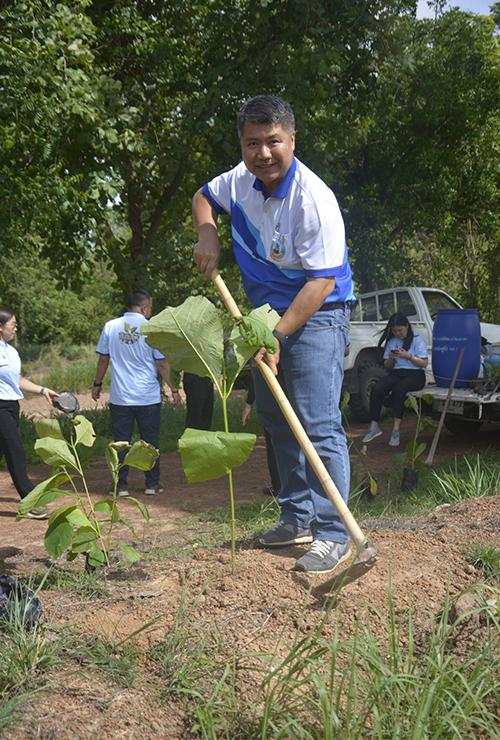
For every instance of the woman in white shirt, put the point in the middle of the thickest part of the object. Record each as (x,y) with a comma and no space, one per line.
(405,357)
(11,387)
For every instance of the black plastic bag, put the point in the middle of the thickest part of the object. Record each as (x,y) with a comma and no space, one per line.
(18,602)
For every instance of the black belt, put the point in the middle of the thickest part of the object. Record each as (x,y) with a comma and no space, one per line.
(329,306)
(333,306)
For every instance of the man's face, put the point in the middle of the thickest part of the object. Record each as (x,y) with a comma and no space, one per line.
(267,151)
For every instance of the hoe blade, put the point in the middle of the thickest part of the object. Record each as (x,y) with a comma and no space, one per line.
(367,558)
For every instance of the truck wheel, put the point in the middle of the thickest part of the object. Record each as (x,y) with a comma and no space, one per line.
(461,427)
(359,403)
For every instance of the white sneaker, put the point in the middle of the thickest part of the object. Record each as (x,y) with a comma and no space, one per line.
(122,492)
(394,439)
(153,491)
(372,434)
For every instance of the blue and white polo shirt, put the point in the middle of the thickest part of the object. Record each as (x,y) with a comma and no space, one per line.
(134,376)
(281,240)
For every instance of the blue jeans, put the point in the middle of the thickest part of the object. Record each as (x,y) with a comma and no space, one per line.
(311,371)
(148,423)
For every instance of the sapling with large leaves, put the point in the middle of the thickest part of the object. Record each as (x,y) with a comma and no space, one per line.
(83,526)
(199,338)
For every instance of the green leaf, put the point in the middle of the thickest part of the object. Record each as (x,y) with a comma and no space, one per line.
(83,539)
(112,459)
(58,537)
(96,557)
(208,455)
(373,485)
(84,431)
(34,496)
(400,456)
(61,512)
(191,336)
(104,506)
(55,452)
(78,518)
(130,552)
(49,428)
(412,403)
(141,455)
(108,507)
(420,448)
(142,508)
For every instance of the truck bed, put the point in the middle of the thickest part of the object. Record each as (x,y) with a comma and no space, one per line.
(461,399)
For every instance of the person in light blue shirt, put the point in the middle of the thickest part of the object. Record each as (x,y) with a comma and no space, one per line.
(12,386)
(288,239)
(135,394)
(405,357)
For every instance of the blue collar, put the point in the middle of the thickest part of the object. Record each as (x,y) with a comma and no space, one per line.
(284,186)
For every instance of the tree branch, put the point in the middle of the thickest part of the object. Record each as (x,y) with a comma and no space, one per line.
(159,210)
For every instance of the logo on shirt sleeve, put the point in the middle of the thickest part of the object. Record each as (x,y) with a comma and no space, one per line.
(130,335)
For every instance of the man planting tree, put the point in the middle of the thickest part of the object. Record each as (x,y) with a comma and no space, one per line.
(289,242)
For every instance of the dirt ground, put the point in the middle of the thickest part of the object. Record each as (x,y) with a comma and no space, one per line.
(260,607)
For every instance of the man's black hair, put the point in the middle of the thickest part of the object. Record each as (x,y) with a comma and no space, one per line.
(138,298)
(269,109)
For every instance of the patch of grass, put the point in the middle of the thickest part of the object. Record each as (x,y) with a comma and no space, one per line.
(469,477)
(486,559)
(328,687)
(87,584)
(61,367)
(117,659)
(461,478)
(26,654)
(186,654)
(212,529)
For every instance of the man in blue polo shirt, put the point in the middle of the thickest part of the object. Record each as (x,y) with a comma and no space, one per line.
(135,390)
(289,242)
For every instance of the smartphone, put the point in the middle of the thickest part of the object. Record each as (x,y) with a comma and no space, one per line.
(395,351)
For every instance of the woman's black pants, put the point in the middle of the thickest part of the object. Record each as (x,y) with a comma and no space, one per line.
(398,383)
(11,447)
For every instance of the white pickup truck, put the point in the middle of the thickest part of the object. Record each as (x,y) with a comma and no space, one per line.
(364,366)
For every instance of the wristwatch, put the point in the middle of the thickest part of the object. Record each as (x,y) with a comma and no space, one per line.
(280,337)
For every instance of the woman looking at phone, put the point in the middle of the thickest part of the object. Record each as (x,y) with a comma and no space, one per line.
(405,357)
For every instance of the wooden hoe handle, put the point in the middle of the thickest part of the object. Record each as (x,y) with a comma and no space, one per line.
(314,459)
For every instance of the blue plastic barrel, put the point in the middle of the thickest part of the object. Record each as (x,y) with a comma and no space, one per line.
(455,328)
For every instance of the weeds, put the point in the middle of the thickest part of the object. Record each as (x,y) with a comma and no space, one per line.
(395,686)
(116,659)
(485,559)
(475,477)
(25,655)
(87,584)
(185,655)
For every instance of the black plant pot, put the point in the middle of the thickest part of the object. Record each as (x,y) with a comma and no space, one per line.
(409,479)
